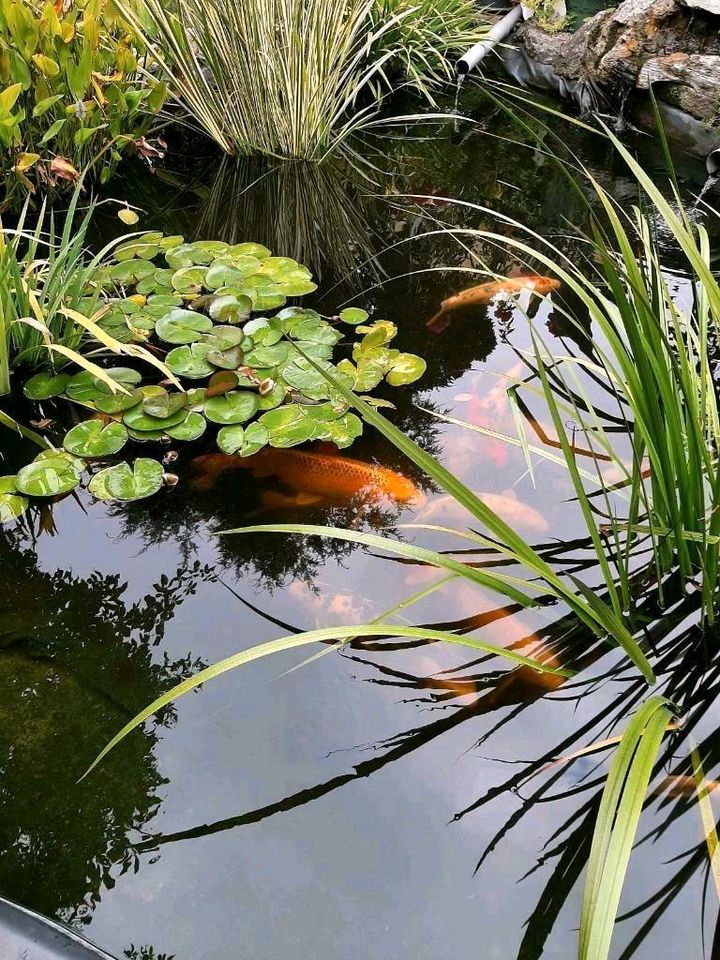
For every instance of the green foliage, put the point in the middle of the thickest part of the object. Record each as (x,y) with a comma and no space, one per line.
(295,78)
(69,90)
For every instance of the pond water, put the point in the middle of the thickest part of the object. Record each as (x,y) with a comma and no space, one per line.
(372,803)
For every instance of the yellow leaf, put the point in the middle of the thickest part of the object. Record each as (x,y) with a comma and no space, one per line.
(8,98)
(128,216)
(25,161)
(46,65)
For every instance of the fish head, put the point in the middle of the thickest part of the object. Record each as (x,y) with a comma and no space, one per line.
(545,285)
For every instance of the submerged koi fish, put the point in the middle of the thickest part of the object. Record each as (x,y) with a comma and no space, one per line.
(682,786)
(315,476)
(483,293)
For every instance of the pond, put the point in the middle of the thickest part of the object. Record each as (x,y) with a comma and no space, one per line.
(376,802)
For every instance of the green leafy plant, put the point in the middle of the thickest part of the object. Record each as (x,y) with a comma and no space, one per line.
(294,78)
(70,92)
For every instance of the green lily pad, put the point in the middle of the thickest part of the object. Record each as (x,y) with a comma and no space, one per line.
(190,429)
(342,432)
(263,331)
(163,405)
(273,398)
(296,288)
(190,361)
(93,439)
(141,480)
(48,477)
(407,368)
(293,434)
(45,385)
(144,436)
(124,377)
(225,359)
(274,355)
(8,483)
(304,377)
(353,316)
(118,402)
(230,309)
(222,274)
(12,505)
(314,331)
(323,412)
(245,441)
(98,484)
(249,250)
(188,279)
(137,419)
(267,298)
(187,255)
(81,387)
(183,326)
(281,417)
(232,407)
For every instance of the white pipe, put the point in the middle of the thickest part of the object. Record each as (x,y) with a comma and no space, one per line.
(501,29)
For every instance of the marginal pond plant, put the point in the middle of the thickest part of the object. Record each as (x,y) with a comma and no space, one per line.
(257,380)
(70,91)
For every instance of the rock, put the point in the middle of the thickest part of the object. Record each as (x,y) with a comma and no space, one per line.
(611,49)
(709,6)
(690,81)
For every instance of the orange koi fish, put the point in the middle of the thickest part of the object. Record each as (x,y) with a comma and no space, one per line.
(483,293)
(682,786)
(314,476)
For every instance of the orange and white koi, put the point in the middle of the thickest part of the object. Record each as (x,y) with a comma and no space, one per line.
(506,505)
(483,293)
(316,477)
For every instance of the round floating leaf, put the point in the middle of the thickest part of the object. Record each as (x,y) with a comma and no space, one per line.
(296,288)
(343,431)
(98,484)
(164,300)
(407,368)
(222,382)
(267,298)
(141,480)
(124,377)
(48,477)
(274,355)
(93,439)
(315,331)
(274,397)
(318,351)
(232,408)
(188,279)
(163,404)
(215,247)
(230,309)
(183,326)
(225,359)
(8,483)
(190,429)
(225,337)
(281,417)
(143,436)
(190,361)
(293,434)
(12,506)
(82,387)
(118,402)
(137,419)
(249,250)
(368,375)
(353,315)
(45,385)
(310,382)
(322,412)
(187,255)
(222,274)
(264,332)
(243,440)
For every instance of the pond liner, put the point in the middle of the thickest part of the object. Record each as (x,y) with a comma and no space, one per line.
(30,936)
(693,136)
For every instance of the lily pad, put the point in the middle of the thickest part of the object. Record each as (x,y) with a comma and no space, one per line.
(274,355)
(407,368)
(127,483)
(93,439)
(190,361)
(223,274)
(45,385)
(232,407)
(98,484)
(188,279)
(190,429)
(243,440)
(124,377)
(230,308)
(281,417)
(112,403)
(137,419)
(225,359)
(249,250)
(293,434)
(163,404)
(222,382)
(354,315)
(48,477)
(183,326)
(12,505)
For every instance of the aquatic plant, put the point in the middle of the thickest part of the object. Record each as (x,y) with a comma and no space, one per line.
(291,78)
(70,92)
(265,375)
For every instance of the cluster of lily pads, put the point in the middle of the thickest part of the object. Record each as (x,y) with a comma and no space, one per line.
(259,379)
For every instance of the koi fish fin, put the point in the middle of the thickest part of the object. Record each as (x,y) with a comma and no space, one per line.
(439,323)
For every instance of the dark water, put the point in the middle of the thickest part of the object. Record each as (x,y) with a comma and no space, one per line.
(339,811)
